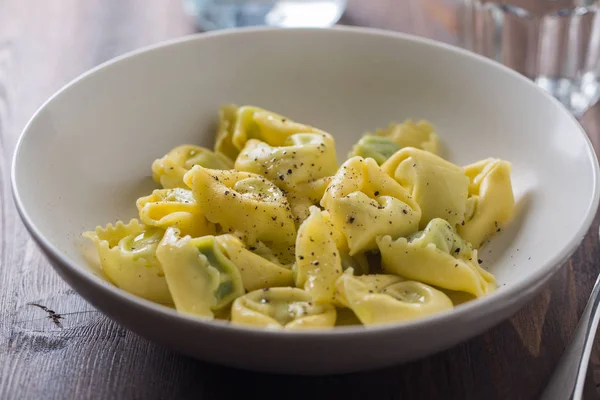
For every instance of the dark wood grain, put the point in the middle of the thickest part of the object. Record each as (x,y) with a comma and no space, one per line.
(43,45)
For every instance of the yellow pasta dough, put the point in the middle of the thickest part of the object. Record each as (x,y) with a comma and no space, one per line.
(420,134)
(358,262)
(439,186)
(200,278)
(364,202)
(127,256)
(491,201)
(390,300)
(256,123)
(246,203)
(436,256)
(300,167)
(257,272)
(224,137)
(169,170)
(318,260)
(282,308)
(174,207)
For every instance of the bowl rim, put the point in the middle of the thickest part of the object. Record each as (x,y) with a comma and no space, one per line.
(498,296)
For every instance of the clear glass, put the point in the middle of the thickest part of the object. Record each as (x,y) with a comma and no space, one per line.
(222,14)
(554,42)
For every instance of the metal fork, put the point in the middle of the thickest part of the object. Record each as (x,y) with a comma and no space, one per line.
(568,379)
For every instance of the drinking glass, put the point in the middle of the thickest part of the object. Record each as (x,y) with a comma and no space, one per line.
(222,14)
(554,42)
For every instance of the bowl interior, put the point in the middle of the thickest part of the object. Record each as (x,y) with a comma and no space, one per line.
(85,157)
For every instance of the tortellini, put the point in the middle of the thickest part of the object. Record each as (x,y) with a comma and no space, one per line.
(439,186)
(257,123)
(224,139)
(201,279)
(282,308)
(257,272)
(364,202)
(268,231)
(358,262)
(174,207)
(491,201)
(436,256)
(127,256)
(169,170)
(299,166)
(318,260)
(245,203)
(382,300)
(379,148)
(420,134)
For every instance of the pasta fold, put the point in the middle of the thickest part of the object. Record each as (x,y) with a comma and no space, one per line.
(282,308)
(436,256)
(170,169)
(174,207)
(420,135)
(300,167)
(364,202)
(318,260)
(246,204)
(491,200)
(201,279)
(439,186)
(256,272)
(390,300)
(128,258)
(256,123)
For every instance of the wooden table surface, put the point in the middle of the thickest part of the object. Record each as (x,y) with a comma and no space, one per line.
(45,44)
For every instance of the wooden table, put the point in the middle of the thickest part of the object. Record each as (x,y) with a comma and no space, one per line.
(43,45)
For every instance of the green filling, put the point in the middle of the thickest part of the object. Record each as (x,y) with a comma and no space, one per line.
(441,234)
(143,244)
(230,285)
(378,148)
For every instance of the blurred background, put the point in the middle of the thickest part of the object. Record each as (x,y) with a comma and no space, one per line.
(554,42)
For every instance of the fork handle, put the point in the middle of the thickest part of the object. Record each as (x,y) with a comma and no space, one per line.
(568,379)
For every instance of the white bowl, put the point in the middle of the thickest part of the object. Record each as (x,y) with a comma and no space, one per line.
(85,157)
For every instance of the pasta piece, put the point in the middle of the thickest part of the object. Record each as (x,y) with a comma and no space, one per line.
(491,200)
(169,170)
(282,308)
(379,148)
(223,141)
(127,255)
(300,167)
(306,195)
(174,207)
(395,301)
(372,282)
(420,135)
(318,261)
(358,262)
(436,256)
(266,126)
(246,204)
(439,186)
(364,202)
(201,279)
(257,272)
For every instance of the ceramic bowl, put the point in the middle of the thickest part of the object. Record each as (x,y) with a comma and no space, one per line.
(85,157)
